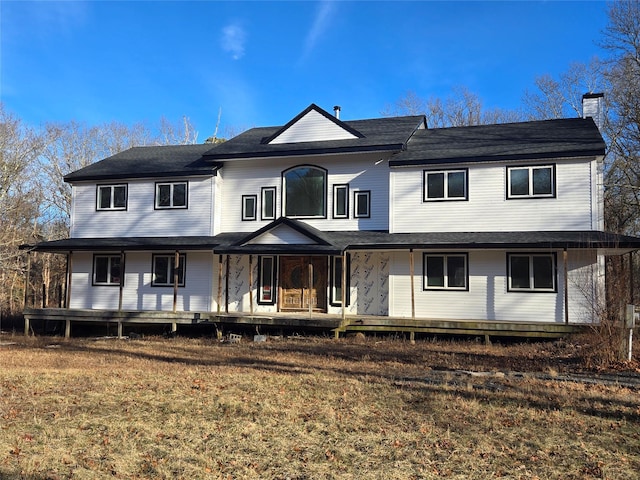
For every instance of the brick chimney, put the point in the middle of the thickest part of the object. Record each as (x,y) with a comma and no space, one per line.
(593,106)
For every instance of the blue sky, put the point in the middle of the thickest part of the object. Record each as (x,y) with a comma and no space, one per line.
(261,63)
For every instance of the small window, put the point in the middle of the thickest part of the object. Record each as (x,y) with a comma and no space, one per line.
(304,192)
(531,182)
(362,201)
(532,272)
(112,197)
(171,195)
(445,271)
(164,269)
(268,203)
(266,280)
(445,185)
(340,201)
(336,281)
(106,270)
(249,207)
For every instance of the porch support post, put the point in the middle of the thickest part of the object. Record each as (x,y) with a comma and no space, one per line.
(631,282)
(67,328)
(68,280)
(310,285)
(251,284)
(26,283)
(119,329)
(343,298)
(413,293)
(121,286)
(175,280)
(565,261)
(219,301)
(226,289)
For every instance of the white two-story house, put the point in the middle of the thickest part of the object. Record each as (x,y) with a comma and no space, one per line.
(381,222)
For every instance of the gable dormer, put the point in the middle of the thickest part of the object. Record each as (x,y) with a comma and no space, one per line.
(313,125)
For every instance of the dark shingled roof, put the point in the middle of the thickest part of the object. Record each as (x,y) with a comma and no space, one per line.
(509,141)
(379,134)
(155,161)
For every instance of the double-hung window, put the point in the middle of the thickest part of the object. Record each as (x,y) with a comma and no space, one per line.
(171,195)
(531,182)
(445,185)
(445,271)
(106,269)
(266,280)
(111,197)
(164,270)
(534,272)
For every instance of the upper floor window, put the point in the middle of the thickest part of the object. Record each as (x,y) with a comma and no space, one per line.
(445,185)
(305,192)
(249,207)
(532,272)
(268,203)
(341,201)
(171,195)
(106,269)
(531,182)
(362,201)
(111,197)
(445,271)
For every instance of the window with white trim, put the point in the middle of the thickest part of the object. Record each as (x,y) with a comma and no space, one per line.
(106,270)
(164,269)
(266,280)
(534,272)
(111,197)
(445,271)
(445,185)
(341,201)
(531,182)
(336,276)
(362,204)
(268,211)
(171,195)
(249,207)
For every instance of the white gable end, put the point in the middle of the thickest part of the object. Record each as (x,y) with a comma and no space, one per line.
(281,235)
(313,127)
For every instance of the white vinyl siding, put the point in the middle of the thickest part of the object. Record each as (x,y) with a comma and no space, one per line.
(488,208)
(138,294)
(487,297)
(141,217)
(313,127)
(361,172)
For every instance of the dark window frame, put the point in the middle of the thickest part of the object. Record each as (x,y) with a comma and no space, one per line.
(273,286)
(532,288)
(356,195)
(445,256)
(336,187)
(283,196)
(333,301)
(445,195)
(110,279)
(170,269)
(171,206)
(272,215)
(530,186)
(246,215)
(112,187)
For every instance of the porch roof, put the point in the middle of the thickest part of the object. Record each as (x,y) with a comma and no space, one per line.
(334,243)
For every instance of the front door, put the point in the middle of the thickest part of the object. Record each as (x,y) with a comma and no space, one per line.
(303,280)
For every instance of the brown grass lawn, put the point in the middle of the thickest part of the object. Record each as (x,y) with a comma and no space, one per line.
(307,409)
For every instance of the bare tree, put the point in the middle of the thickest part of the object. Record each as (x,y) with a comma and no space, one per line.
(461,108)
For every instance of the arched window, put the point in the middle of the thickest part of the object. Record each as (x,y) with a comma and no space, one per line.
(305,191)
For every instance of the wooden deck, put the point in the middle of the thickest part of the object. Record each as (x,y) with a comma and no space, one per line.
(304,320)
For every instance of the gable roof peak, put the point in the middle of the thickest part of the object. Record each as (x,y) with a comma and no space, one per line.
(313,124)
